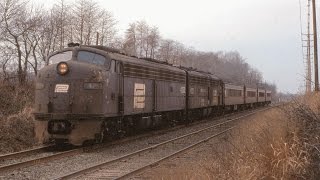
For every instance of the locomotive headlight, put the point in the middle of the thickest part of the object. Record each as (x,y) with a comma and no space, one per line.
(62,68)
(91,85)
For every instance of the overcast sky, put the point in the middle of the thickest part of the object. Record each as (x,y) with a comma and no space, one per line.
(265,32)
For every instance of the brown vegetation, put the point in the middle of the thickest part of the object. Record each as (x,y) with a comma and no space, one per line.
(281,143)
(16,119)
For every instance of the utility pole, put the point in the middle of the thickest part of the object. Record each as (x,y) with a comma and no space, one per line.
(315,46)
(309,74)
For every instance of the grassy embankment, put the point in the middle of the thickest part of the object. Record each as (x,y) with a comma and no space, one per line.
(282,143)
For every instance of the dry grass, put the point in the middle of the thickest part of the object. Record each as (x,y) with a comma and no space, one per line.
(15,98)
(264,147)
(16,131)
(282,143)
(16,119)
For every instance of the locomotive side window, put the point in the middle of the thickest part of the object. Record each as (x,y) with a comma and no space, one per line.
(93,58)
(113,66)
(119,68)
(63,56)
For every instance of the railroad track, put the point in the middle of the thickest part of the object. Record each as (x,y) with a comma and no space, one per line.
(32,157)
(23,153)
(43,154)
(131,163)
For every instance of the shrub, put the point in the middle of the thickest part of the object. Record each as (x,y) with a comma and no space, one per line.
(16,119)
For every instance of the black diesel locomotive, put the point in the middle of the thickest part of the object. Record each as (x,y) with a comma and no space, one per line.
(88,93)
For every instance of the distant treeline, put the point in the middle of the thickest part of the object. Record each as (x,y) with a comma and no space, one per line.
(30,33)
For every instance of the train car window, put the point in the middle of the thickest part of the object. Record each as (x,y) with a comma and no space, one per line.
(251,94)
(268,94)
(234,93)
(93,58)
(63,56)
(261,94)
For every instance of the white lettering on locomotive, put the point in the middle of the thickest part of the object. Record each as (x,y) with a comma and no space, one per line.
(61,88)
(139,96)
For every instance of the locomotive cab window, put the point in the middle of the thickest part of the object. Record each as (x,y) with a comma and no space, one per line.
(62,56)
(93,58)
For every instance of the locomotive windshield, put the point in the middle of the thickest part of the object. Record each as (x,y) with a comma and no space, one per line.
(63,56)
(93,58)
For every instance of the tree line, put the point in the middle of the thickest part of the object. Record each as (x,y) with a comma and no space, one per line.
(28,34)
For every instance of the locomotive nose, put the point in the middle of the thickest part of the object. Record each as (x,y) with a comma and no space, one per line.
(71,87)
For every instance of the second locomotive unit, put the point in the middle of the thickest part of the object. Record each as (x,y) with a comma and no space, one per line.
(89,93)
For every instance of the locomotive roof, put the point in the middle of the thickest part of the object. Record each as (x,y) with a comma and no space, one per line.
(116,54)
(203,74)
(134,60)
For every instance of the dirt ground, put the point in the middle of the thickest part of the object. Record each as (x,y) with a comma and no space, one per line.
(244,153)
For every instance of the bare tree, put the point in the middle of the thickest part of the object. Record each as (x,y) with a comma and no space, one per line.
(165,50)
(28,35)
(19,20)
(142,30)
(86,19)
(7,55)
(153,39)
(130,42)
(79,16)
(107,28)
(60,12)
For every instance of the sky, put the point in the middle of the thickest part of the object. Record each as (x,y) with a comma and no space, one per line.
(265,32)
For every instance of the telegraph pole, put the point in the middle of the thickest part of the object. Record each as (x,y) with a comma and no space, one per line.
(315,46)
(309,74)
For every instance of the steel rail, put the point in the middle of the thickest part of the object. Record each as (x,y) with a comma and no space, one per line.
(39,160)
(23,153)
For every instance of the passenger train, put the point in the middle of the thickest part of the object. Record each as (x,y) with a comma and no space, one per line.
(86,94)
